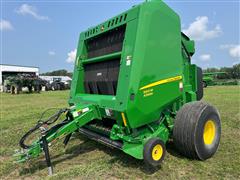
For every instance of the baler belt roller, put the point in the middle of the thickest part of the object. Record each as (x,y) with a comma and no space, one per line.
(98,128)
(101,138)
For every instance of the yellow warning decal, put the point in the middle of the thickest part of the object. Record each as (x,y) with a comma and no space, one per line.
(124,119)
(163,81)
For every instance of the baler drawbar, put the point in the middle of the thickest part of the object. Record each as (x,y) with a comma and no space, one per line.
(134,88)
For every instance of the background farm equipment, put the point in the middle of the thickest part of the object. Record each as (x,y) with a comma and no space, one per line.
(14,84)
(134,88)
(209,79)
(57,84)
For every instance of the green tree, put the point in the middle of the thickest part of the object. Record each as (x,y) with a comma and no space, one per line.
(61,72)
(230,72)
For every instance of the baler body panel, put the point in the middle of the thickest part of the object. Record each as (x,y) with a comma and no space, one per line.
(157,56)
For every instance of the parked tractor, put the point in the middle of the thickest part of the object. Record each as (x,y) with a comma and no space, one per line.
(57,84)
(134,88)
(14,84)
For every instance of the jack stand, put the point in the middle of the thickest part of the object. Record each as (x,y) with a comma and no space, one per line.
(47,156)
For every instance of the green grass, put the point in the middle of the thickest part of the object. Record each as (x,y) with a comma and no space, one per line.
(84,158)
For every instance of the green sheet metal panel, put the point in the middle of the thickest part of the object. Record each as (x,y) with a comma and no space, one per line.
(157,56)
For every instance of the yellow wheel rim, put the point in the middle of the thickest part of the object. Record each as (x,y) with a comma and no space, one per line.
(209,132)
(157,152)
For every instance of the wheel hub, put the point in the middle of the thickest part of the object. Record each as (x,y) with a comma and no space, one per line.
(209,132)
(157,152)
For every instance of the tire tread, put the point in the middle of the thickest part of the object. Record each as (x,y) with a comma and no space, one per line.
(185,126)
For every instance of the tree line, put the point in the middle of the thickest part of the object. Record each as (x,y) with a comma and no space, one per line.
(61,72)
(229,72)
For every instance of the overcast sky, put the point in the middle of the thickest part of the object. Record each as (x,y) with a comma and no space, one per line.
(45,33)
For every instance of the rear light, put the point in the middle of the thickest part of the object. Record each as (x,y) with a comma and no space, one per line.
(181,86)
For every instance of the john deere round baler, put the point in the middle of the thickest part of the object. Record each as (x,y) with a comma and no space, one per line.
(134,88)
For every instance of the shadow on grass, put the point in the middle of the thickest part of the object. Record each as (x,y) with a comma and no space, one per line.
(126,160)
(87,146)
(69,154)
(171,149)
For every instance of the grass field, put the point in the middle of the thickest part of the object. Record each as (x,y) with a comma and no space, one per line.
(85,159)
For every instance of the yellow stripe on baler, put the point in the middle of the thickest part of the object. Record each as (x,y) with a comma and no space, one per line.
(163,81)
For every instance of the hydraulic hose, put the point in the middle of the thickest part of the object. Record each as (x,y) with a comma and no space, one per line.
(52,119)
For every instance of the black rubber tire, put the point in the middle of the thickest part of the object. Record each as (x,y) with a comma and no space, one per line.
(189,127)
(17,89)
(37,88)
(53,88)
(204,84)
(12,89)
(58,87)
(30,89)
(148,149)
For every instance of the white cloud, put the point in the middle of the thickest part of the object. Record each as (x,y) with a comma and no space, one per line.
(51,53)
(205,57)
(71,56)
(5,25)
(26,9)
(233,49)
(199,31)
(236,62)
